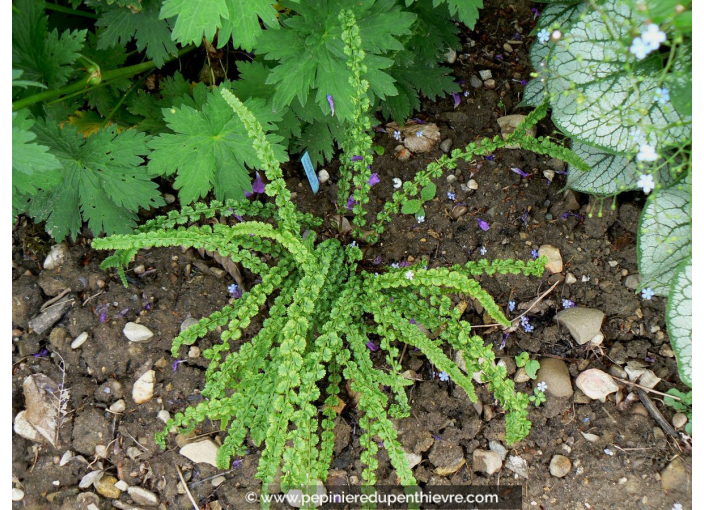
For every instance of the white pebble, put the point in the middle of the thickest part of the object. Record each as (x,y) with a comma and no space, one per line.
(143,389)
(118,407)
(163,415)
(397,182)
(56,256)
(194,352)
(79,340)
(137,332)
(472,184)
(17,494)
(122,485)
(323,176)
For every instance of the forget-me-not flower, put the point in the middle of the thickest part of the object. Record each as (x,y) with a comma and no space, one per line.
(647,152)
(544,36)
(420,219)
(662,95)
(409,275)
(450,195)
(653,36)
(511,306)
(639,48)
(482,250)
(444,376)
(566,303)
(419,133)
(397,135)
(542,386)
(647,293)
(646,182)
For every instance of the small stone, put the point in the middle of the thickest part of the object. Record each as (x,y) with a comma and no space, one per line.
(446,145)
(592,438)
(570,279)
(323,176)
(459,211)
(25,429)
(550,176)
(17,494)
(485,461)
(143,389)
(106,487)
(521,376)
(639,409)
(632,281)
(194,352)
(507,48)
(40,396)
(490,84)
(122,485)
(413,459)
(190,321)
(518,465)
(294,496)
(101,451)
(679,420)
(674,476)
(582,323)
(485,74)
(446,457)
(402,154)
(555,374)
(118,407)
(560,466)
(475,82)
(163,415)
(79,340)
(596,384)
(554,258)
(472,184)
(450,56)
(137,332)
(509,363)
(218,480)
(56,257)
(508,125)
(617,371)
(205,452)
(498,448)
(140,269)
(451,178)
(649,379)
(556,164)
(666,351)
(169,198)
(143,496)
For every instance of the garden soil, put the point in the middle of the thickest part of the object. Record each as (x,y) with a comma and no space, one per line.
(620,463)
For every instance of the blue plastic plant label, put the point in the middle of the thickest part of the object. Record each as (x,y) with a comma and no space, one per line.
(310,172)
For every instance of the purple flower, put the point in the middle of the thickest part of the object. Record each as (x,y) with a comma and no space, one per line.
(412,321)
(457,98)
(104,316)
(483,224)
(503,341)
(237,463)
(566,303)
(42,353)
(350,203)
(374,179)
(535,12)
(534,253)
(372,346)
(490,157)
(177,363)
(377,260)
(357,158)
(649,359)
(418,121)
(438,438)
(258,186)
(234,291)
(332,105)
(404,263)
(519,171)
(499,57)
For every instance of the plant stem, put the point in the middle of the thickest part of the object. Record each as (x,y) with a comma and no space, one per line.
(67,10)
(122,99)
(80,85)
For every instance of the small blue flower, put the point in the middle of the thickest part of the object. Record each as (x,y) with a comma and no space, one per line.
(528,328)
(395,265)
(450,196)
(511,306)
(466,93)
(397,135)
(353,244)
(544,36)
(662,95)
(647,293)
(566,303)
(524,320)
(534,253)
(640,48)
(234,291)
(444,376)
(482,250)
(542,386)
(419,134)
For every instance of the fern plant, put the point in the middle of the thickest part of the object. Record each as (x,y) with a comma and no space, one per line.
(325,311)
(618,77)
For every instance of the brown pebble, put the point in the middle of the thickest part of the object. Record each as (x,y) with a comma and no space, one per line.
(459,210)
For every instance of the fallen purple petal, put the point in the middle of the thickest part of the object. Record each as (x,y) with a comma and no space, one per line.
(374,179)
(237,463)
(519,172)
(457,98)
(483,224)
(258,185)
(418,121)
(490,157)
(42,353)
(177,363)
(372,346)
(331,102)
(412,321)
(351,203)
(377,260)
(357,158)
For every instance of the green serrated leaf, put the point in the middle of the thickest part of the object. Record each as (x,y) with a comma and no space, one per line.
(679,319)
(411,207)
(144,26)
(43,56)
(665,236)
(101,181)
(428,192)
(209,148)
